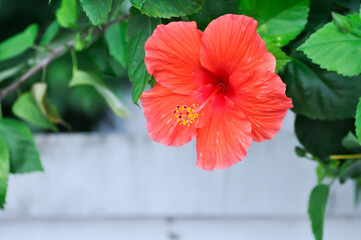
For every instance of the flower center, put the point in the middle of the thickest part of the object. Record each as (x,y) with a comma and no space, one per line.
(222,87)
(186,115)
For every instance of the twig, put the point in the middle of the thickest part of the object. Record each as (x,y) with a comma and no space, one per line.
(55,53)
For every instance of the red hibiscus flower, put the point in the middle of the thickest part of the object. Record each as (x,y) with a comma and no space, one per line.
(218,85)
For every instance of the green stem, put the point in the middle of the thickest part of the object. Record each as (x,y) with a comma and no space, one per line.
(74,60)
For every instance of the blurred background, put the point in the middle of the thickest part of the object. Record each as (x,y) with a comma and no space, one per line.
(106,179)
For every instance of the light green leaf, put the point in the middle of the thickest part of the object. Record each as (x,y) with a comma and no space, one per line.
(28,110)
(67,14)
(140,28)
(116,37)
(358,121)
(280,21)
(19,43)
(4,171)
(168,8)
(336,50)
(50,33)
(24,156)
(96,10)
(85,78)
(317,207)
(351,141)
(320,94)
(323,138)
(281,58)
(11,72)
(341,22)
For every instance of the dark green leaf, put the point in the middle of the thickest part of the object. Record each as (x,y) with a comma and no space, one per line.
(319,94)
(28,110)
(116,37)
(97,10)
(19,43)
(213,9)
(353,5)
(300,151)
(352,171)
(358,121)
(140,28)
(322,138)
(167,8)
(4,171)
(279,20)
(50,33)
(24,156)
(85,78)
(67,14)
(317,207)
(336,50)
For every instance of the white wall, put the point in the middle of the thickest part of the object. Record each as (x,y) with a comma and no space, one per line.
(125,186)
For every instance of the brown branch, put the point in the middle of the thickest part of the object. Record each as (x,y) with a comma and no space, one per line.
(55,53)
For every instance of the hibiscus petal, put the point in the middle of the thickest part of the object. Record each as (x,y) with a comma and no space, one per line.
(172,56)
(159,105)
(224,139)
(230,43)
(262,98)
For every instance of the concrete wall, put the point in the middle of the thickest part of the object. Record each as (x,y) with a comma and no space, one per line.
(125,186)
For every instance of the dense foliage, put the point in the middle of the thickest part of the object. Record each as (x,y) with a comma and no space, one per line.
(61,60)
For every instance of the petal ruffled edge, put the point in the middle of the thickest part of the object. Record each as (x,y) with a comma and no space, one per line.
(262,98)
(172,56)
(231,43)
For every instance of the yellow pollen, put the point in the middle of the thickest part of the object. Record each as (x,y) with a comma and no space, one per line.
(185,115)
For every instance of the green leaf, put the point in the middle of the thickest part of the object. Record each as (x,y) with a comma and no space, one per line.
(213,9)
(322,138)
(50,111)
(341,22)
(19,43)
(50,33)
(300,152)
(353,5)
(116,37)
(67,14)
(336,50)
(358,121)
(11,72)
(319,94)
(24,156)
(168,8)
(28,110)
(96,10)
(352,171)
(317,207)
(4,171)
(281,58)
(279,20)
(85,78)
(140,28)
(350,141)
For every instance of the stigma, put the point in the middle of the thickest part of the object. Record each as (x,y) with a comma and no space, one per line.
(186,115)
